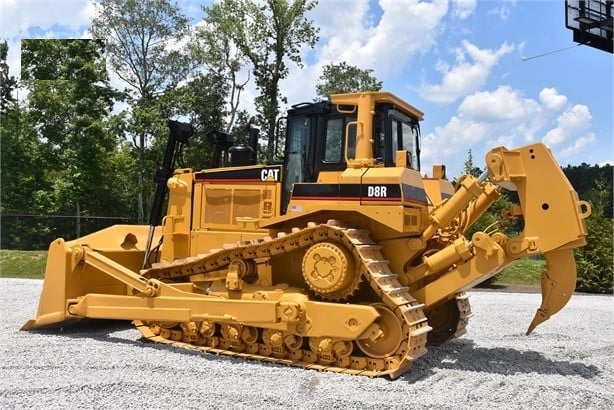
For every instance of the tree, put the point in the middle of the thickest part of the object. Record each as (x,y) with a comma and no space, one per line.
(343,78)
(7,82)
(24,189)
(21,181)
(202,100)
(61,129)
(584,176)
(469,167)
(68,105)
(595,261)
(268,35)
(142,39)
(223,61)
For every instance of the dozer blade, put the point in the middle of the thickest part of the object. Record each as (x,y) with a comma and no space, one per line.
(558,283)
(68,278)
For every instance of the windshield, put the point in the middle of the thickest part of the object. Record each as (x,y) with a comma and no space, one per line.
(406,136)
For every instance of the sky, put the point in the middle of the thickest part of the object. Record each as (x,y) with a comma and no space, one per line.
(467,64)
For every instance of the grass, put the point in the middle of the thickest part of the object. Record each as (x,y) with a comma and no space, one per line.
(22,264)
(525,272)
(31,264)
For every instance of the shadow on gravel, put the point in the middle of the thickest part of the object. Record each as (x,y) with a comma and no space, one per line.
(460,354)
(103,329)
(85,327)
(464,355)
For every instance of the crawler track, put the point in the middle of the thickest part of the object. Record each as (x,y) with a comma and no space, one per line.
(373,269)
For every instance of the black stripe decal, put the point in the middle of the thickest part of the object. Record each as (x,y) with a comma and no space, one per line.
(270,173)
(357,192)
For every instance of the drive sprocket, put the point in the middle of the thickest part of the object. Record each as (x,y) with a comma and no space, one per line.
(330,271)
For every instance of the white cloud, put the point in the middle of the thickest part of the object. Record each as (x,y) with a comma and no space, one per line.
(571,124)
(504,117)
(554,137)
(551,99)
(405,28)
(577,118)
(464,8)
(503,9)
(23,19)
(464,77)
(500,105)
(450,139)
(19,16)
(329,16)
(578,145)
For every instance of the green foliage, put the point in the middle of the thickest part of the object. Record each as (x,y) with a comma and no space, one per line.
(268,35)
(7,82)
(141,39)
(583,177)
(469,167)
(24,187)
(223,62)
(69,113)
(54,60)
(55,147)
(595,261)
(344,78)
(203,101)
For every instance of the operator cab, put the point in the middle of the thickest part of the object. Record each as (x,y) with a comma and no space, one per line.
(322,136)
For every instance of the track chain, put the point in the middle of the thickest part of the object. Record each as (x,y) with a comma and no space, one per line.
(373,268)
(464,308)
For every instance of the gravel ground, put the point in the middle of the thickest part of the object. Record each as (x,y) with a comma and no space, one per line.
(567,363)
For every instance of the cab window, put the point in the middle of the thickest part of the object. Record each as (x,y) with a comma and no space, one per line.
(406,136)
(334,143)
(410,144)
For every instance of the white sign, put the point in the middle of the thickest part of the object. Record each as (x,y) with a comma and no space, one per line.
(377,191)
(268,174)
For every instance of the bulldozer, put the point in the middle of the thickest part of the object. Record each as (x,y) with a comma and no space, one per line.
(337,255)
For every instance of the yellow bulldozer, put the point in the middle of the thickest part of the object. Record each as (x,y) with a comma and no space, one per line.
(341,256)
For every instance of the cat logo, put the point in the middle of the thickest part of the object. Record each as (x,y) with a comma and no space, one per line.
(269,174)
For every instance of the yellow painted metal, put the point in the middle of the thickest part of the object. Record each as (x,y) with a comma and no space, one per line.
(328,268)
(379,97)
(225,261)
(553,225)
(176,223)
(365,107)
(550,206)
(153,300)
(389,336)
(67,276)
(437,190)
(488,258)
(558,283)
(444,215)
